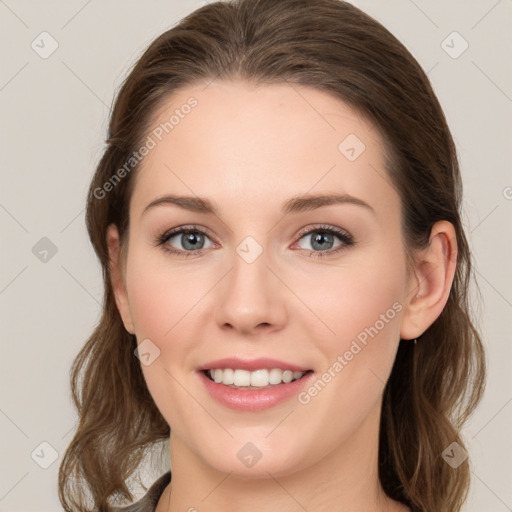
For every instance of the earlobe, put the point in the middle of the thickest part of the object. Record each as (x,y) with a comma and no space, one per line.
(117,279)
(430,286)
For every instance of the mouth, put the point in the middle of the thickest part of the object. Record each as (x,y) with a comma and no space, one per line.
(254,389)
(253,380)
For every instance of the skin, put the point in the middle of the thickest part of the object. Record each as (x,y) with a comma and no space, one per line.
(249,149)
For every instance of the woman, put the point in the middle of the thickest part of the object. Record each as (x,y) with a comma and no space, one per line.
(277,215)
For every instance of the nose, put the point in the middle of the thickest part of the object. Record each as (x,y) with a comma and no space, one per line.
(251,298)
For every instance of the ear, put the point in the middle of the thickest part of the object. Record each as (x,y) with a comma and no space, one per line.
(429,287)
(117,278)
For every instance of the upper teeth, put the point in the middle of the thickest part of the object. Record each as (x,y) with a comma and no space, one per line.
(258,378)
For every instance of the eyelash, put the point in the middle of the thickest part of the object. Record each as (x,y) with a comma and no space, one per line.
(346,239)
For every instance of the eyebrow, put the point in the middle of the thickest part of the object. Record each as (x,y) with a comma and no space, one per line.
(296,204)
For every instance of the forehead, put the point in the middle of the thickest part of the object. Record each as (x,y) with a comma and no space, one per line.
(265,143)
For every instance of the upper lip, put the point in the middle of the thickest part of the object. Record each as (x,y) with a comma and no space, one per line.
(251,364)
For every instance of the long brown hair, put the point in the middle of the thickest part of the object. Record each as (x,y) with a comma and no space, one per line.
(330,45)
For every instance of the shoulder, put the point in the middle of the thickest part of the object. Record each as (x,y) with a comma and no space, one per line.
(149,501)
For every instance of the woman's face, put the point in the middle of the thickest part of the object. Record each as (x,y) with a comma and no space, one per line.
(265,280)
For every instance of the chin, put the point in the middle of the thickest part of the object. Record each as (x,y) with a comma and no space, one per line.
(255,460)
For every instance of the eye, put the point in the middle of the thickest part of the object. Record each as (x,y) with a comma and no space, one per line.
(324,238)
(188,239)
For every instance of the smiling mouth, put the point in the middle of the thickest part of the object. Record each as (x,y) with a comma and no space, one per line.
(259,379)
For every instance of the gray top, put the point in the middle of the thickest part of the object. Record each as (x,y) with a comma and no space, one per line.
(150,500)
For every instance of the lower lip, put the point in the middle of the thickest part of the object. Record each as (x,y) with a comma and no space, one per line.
(254,399)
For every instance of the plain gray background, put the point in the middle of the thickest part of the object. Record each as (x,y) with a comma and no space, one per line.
(54,113)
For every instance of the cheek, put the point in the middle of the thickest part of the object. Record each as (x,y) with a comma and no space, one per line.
(362,305)
(360,296)
(160,296)
(161,303)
